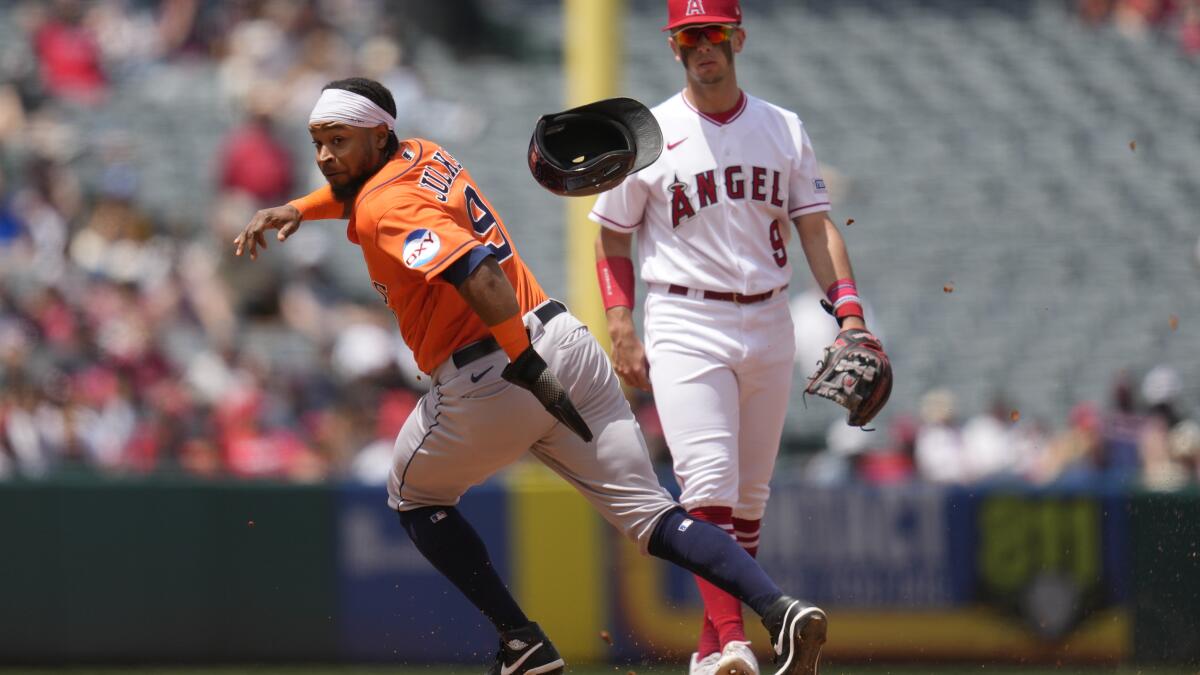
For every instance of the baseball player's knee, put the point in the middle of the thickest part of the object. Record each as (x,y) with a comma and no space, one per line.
(713,462)
(430,527)
(639,526)
(657,538)
(705,491)
(411,517)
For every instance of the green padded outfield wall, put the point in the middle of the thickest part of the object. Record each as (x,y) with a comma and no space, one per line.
(145,571)
(136,571)
(1165,543)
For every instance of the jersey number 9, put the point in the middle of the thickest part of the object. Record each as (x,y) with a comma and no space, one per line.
(486,226)
(778,244)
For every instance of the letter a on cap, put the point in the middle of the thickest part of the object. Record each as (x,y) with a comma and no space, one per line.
(694,7)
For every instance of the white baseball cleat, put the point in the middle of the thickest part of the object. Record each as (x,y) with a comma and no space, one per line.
(737,659)
(704,666)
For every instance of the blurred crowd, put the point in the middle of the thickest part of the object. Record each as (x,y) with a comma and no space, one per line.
(1177,20)
(132,341)
(1141,436)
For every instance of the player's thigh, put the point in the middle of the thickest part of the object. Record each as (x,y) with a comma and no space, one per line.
(580,364)
(460,435)
(697,401)
(765,384)
(613,472)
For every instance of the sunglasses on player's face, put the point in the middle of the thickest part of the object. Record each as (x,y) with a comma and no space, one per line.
(715,34)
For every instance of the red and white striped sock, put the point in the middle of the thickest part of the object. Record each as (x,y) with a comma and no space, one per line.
(746,532)
(721,609)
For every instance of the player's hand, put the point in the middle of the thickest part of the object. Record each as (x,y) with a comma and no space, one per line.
(854,373)
(284,218)
(529,371)
(628,353)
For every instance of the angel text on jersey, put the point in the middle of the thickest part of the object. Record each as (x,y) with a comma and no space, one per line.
(420,247)
(439,175)
(754,183)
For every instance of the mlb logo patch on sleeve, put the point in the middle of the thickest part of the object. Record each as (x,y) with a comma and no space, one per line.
(819,184)
(420,247)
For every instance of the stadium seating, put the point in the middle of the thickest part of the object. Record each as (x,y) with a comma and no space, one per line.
(984,145)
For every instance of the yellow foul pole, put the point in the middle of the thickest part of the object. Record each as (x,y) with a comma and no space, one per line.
(591,68)
(544,508)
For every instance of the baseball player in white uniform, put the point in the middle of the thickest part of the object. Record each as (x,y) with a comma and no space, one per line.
(713,218)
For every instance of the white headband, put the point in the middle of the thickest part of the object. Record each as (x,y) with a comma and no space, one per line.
(346,107)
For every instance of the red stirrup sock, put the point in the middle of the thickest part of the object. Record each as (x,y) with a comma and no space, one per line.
(722,609)
(710,642)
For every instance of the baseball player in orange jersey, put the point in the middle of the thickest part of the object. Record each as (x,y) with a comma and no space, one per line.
(712,217)
(479,323)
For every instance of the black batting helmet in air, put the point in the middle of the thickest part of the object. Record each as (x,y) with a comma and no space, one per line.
(590,149)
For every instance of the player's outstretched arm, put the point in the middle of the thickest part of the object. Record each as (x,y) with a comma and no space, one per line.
(317,205)
(489,293)
(855,371)
(614,268)
(825,250)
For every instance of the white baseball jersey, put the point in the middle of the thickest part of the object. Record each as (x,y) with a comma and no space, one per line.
(714,211)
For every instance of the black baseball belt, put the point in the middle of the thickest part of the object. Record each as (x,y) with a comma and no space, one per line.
(481,348)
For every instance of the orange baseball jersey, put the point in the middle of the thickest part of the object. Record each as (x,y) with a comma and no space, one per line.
(418,221)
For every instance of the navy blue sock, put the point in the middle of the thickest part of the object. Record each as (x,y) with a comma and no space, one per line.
(704,549)
(448,541)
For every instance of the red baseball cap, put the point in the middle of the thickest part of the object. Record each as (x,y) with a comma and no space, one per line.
(688,12)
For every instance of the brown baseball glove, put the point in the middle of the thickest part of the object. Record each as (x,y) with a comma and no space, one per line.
(856,374)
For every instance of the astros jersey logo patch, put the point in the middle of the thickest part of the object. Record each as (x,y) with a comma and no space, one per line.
(420,247)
